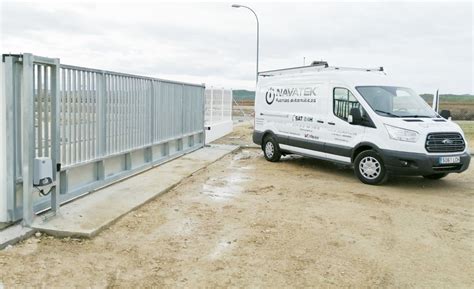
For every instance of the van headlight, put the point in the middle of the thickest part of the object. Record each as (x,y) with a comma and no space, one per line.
(401,134)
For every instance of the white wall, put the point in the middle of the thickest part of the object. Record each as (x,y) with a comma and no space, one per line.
(3,152)
(218,130)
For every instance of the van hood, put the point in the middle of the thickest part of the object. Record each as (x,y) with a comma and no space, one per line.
(424,125)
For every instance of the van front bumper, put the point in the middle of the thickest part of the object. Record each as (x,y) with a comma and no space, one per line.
(417,164)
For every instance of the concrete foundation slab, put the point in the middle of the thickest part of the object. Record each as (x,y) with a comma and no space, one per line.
(87,216)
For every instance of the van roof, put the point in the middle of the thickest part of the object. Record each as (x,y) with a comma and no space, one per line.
(348,75)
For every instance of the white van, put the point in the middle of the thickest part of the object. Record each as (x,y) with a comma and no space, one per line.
(357,117)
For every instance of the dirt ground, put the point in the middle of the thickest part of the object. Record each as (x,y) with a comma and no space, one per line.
(246,222)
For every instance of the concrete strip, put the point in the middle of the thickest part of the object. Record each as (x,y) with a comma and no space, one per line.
(88,216)
(14,234)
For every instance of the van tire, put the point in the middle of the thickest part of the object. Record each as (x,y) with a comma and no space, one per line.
(369,168)
(435,176)
(271,149)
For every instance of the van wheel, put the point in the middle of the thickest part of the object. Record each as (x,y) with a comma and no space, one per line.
(271,149)
(369,168)
(435,176)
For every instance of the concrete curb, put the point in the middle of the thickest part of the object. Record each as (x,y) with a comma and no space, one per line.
(14,234)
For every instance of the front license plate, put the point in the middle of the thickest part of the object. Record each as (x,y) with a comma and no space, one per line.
(449,160)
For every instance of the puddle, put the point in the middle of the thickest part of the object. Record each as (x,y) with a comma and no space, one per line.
(228,186)
(177,227)
(221,247)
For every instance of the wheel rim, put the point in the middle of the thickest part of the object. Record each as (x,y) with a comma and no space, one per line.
(370,168)
(269,150)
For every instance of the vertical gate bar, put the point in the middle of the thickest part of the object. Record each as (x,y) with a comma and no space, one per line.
(10,136)
(89,113)
(116,119)
(46,111)
(27,137)
(119,121)
(99,94)
(126,117)
(106,116)
(90,117)
(102,127)
(143,97)
(139,110)
(110,118)
(80,98)
(202,138)
(94,113)
(75,108)
(86,116)
(122,97)
(121,118)
(183,112)
(132,112)
(63,118)
(113,105)
(129,112)
(55,152)
(144,109)
(75,111)
(108,124)
(151,112)
(70,119)
(114,114)
(156,115)
(39,113)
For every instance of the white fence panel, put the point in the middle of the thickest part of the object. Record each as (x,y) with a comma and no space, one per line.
(218,118)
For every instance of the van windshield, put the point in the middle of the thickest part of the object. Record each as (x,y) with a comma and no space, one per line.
(395,101)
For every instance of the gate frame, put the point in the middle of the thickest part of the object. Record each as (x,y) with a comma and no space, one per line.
(27,115)
(20,92)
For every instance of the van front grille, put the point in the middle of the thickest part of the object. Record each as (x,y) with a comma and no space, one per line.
(445,142)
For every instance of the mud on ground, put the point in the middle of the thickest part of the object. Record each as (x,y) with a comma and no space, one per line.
(246,222)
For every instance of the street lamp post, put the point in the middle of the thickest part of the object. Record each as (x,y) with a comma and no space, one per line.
(238,6)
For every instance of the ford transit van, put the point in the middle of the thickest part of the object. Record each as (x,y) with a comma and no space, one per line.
(358,117)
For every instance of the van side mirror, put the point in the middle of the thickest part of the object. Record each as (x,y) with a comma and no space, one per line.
(355,117)
(445,114)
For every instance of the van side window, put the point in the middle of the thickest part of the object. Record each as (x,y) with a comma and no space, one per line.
(343,102)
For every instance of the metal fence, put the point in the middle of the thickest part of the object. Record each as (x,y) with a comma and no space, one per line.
(218,105)
(97,126)
(218,117)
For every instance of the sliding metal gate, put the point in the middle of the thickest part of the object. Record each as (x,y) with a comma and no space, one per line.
(96,126)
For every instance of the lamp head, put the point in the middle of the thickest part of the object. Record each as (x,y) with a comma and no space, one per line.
(236,6)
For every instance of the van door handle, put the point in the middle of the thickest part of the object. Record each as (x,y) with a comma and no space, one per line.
(320,121)
(331,123)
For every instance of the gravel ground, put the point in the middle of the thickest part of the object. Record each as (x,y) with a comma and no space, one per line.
(245,222)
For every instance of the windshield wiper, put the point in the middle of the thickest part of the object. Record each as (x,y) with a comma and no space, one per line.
(387,113)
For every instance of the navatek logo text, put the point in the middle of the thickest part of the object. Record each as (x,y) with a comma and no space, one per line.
(295,94)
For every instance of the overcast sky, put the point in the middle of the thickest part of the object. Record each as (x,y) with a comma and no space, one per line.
(426,45)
